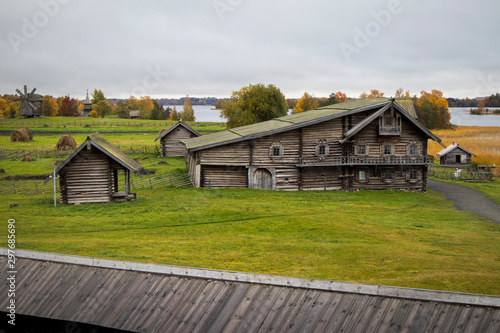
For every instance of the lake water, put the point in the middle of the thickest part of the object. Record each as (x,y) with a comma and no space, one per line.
(459,116)
(462,117)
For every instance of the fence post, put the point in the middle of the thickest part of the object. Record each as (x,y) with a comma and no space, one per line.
(14,185)
(325,182)
(150,184)
(36,187)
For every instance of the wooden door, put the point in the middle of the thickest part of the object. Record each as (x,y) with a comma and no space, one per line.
(262,179)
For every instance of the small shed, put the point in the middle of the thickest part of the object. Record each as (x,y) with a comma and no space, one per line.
(170,139)
(134,114)
(455,154)
(92,172)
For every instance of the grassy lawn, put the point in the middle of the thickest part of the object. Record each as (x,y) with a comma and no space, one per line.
(391,238)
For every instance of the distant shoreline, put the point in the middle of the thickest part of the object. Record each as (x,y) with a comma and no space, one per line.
(478,112)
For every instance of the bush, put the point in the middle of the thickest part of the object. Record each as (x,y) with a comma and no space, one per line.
(93,114)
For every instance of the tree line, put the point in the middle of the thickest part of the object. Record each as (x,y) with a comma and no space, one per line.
(257,103)
(65,106)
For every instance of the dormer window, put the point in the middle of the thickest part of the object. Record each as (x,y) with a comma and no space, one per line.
(390,124)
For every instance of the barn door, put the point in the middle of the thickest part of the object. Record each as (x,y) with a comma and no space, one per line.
(262,179)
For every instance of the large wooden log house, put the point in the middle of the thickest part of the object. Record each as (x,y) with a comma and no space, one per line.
(170,139)
(360,144)
(92,172)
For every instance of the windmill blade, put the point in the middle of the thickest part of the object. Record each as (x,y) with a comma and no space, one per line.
(32,105)
(32,92)
(19,92)
(25,90)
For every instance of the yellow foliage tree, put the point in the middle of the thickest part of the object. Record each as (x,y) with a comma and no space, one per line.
(363,95)
(374,93)
(145,107)
(432,109)
(49,106)
(4,106)
(306,103)
(340,96)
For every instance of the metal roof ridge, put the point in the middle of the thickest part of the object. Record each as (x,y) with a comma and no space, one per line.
(274,280)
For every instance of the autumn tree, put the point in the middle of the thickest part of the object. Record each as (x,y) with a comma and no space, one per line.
(220,103)
(4,106)
(69,107)
(123,111)
(13,110)
(334,98)
(49,106)
(102,108)
(401,94)
(432,110)
(133,103)
(340,96)
(306,103)
(253,104)
(374,93)
(165,113)
(174,115)
(363,95)
(187,113)
(145,107)
(97,96)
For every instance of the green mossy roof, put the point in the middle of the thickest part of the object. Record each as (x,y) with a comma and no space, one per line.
(293,121)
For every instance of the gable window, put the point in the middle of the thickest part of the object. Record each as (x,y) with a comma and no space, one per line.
(413,150)
(361,150)
(276,151)
(388,121)
(322,148)
(387,149)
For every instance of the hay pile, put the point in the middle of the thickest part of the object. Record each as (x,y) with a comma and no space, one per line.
(21,135)
(161,131)
(66,142)
(27,159)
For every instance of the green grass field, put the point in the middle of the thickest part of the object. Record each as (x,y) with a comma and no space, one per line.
(391,238)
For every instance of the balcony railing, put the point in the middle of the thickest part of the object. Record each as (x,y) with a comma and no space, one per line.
(366,160)
(389,130)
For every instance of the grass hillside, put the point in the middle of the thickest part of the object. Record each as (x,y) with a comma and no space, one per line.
(391,238)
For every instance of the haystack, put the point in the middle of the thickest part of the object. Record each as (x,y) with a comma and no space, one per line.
(27,159)
(21,135)
(66,142)
(161,131)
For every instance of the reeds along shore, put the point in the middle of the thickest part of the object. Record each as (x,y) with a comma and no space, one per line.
(482,141)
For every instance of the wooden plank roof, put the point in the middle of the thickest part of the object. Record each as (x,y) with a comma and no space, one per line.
(143,297)
(299,120)
(452,147)
(178,124)
(95,140)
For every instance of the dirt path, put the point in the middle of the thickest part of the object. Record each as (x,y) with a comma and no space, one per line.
(468,199)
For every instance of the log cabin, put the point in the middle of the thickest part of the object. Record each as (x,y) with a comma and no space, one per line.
(455,154)
(170,139)
(91,173)
(371,144)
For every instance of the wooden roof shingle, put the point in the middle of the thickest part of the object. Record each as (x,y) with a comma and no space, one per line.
(95,140)
(142,297)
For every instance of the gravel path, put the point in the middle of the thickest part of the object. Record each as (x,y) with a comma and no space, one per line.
(468,199)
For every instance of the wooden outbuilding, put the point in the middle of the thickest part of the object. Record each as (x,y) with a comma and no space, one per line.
(371,144)
(92,172)
(170,139)
(454,155)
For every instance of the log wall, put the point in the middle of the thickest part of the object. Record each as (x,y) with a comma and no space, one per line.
(171,145)
(87,178)
(224,176)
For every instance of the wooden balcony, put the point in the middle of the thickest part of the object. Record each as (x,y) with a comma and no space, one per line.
(365,160)
(389,130)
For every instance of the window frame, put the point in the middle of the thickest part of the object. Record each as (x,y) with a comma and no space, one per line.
(322,143)
(273,148)
(388,171)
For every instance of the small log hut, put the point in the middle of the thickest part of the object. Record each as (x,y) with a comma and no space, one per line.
(91,173)
(374,144)
(455,154)
(171,145)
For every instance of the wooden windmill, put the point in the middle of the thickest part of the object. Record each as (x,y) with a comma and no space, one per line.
(31,105)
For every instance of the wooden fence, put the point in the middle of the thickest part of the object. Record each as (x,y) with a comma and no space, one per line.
(465,173)
(6,153)
(37,186)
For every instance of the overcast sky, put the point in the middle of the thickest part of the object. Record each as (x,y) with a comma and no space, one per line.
(211,48)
